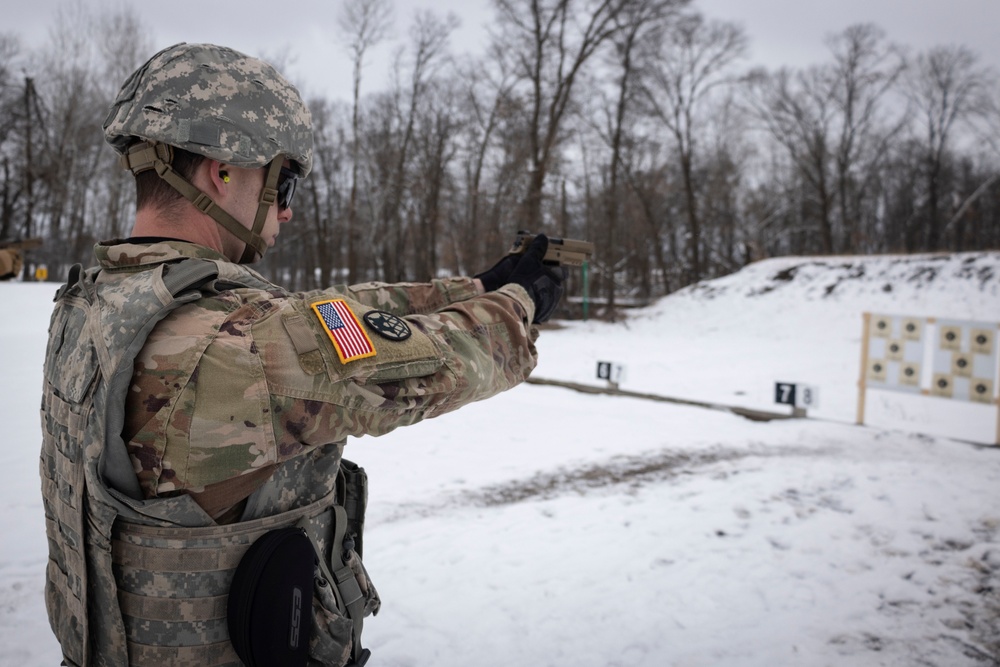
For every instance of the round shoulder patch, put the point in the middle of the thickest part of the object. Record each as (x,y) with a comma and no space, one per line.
(387,325)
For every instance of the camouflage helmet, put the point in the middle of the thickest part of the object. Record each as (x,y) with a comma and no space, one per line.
(216,102)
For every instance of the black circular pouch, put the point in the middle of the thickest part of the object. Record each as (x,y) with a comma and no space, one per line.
(270,600)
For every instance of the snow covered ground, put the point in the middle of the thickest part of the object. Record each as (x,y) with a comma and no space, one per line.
(550,527)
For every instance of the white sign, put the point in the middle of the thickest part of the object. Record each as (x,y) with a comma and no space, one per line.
(796,395)
(807,397)
(609,371)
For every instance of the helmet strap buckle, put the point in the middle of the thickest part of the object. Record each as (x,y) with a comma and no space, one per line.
(146,155)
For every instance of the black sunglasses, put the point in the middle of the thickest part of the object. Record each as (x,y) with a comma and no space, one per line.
(287,180)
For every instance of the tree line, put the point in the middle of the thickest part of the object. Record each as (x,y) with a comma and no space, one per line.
(636,124)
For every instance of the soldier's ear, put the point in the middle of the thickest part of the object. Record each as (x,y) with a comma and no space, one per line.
(216,176)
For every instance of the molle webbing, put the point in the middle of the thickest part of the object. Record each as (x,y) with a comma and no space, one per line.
(63,492)
(195,566)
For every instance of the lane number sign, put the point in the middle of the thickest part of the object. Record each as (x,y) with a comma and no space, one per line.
(611,372)
(796,395)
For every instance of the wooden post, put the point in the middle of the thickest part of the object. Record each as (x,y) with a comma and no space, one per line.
(866,329)
(998,421)
(996,346)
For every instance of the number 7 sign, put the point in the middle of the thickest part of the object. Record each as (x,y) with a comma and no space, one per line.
(784,393)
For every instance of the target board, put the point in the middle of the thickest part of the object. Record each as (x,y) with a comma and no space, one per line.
(949,359)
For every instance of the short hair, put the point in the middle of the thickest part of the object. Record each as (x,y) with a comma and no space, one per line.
(151,191)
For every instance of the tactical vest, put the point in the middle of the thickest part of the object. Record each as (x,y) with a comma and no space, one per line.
(145,582)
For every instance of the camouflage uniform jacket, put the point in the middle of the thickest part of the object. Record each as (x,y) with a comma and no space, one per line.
(229,387)
(238,408)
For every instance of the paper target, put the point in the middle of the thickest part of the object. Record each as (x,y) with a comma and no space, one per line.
(942,385)
(982,341)
(877,370)
(961,365)
(881,326)
(981,391)
(913,329)
(909,375)
(951,338)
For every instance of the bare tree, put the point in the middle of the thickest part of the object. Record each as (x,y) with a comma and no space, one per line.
(435,151)
(84,195)
(865,71)
(799,112)
(326,187)
(488,106)
(550,43)
(123,44)
(987,136)
(10,118)
(945,86)
(429,34)
(364,23)
(836,124)
(634,22)
(693,57)
(395,122)
(10,64)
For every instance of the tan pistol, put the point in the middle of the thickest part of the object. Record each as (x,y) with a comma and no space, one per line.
(562,252)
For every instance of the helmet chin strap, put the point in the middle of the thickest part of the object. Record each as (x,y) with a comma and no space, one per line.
(268,195)
(147,155)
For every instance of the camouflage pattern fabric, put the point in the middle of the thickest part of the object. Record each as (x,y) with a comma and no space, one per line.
(216,102)
(229,387)
(238,411)
(173,586)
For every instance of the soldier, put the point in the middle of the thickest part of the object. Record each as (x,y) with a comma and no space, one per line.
(193,409)
(10,263)
(12,256)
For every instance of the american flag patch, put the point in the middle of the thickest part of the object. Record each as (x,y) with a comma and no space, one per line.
(344,330)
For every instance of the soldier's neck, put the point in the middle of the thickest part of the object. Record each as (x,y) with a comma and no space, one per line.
(196,228)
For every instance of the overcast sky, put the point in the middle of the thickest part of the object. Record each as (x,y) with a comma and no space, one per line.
(782,32)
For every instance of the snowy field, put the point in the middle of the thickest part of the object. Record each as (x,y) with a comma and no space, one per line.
(553,528)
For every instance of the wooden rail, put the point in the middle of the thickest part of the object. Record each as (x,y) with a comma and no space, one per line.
(753,415)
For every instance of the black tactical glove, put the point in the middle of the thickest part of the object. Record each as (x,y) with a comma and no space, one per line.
(498,275)
(543,283)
